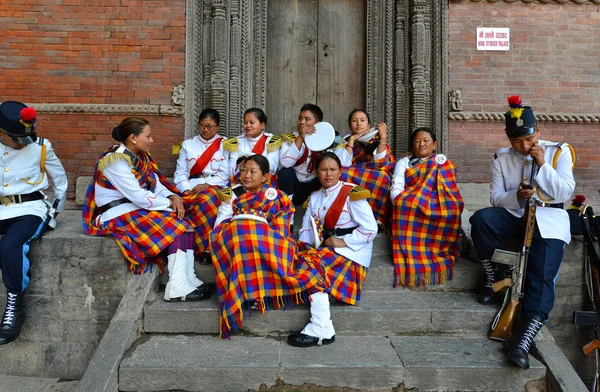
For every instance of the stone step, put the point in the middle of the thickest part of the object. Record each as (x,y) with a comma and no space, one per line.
(206,363)
(390,312)
(30,384)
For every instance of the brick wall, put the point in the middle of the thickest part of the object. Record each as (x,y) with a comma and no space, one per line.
(93,52)
(553,64)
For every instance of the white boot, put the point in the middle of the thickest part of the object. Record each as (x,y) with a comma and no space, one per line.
(179,285)
(191,272)
(320,324)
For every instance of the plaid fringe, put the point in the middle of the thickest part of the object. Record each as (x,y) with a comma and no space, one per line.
(255,261)
(426,225)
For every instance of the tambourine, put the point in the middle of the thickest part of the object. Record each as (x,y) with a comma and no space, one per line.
(368,136)
(315,233)
(322,139)
(249,217)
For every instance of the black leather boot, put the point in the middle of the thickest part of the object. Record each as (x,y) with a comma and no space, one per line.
(486,295)
(13,318)
(518,351)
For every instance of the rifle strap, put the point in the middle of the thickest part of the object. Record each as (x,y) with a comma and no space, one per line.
(499,314)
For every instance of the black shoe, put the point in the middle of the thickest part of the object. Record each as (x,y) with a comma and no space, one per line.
(13,318)
(302,340)
(518,351)
(486,296)
(380,228)
(202,293)
(204,259)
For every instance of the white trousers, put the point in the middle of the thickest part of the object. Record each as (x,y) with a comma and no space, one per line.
(320,324)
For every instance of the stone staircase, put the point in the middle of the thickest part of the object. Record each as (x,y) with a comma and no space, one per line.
(432,339)
(88,319)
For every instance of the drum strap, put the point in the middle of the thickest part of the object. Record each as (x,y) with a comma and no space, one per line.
(336,208)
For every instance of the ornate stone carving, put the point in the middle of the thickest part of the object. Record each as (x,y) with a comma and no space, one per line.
(138,110)
(402,109)
(541,117)
(455,100)
(421,65)
(178,95)
(532,1)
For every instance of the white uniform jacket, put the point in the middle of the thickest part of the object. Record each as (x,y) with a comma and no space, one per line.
(289,155)
(21,174)
(354,213)
(127,186)
(216,171)
(245,146)
(554,185)
(226,208)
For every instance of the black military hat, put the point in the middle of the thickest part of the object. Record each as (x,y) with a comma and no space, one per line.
(520,120)
(18,121)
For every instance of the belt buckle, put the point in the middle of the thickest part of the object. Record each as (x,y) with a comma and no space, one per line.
(7,200)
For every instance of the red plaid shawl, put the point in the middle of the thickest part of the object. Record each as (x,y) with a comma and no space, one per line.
(256,261)
(426,225)
(374,176)
(142,234)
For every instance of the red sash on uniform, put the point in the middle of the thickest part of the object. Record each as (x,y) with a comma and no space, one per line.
(259,148)
(205,158)
(335,210)
(302,159)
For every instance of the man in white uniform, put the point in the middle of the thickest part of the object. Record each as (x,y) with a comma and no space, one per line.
(26,161)
(549,167)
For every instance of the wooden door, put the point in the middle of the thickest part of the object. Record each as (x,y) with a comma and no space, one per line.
(315,54)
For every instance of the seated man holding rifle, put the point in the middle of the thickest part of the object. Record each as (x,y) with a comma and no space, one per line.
(538,175)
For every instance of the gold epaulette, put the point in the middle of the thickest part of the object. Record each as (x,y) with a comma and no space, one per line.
(175,148)
(305,204)
(231,144)
(560,146)
(274,143)
(342,144)
(112,158)
(289,138)
(224,194)
(359,193)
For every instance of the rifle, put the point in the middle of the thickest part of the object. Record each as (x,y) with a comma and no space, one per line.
(504,320)
(590,227)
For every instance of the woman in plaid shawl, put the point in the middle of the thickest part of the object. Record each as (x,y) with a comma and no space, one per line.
(426,216)
(253,250)
(203,168)
(348,229)
(133,202)
(372,162)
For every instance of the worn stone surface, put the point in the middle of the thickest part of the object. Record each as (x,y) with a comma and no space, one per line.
(378,313)
(102,372)
(563,375)
(33,384)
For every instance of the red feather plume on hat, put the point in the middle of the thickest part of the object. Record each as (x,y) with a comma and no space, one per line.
(514,101)
(28,115)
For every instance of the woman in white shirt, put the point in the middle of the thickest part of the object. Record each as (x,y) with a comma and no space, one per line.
(344,222)
(202,169)
(133,202)
(426,214)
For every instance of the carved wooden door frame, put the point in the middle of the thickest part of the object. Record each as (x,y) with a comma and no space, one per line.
(407,56)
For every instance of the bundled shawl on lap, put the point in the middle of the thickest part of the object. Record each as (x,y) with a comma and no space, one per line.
(374,176)
(202,209)
(426,225)
(342,277)
(141,234)
(256,261)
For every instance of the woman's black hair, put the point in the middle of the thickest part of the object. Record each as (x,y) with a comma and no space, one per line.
(327,155)
(261,161)
(262,117)
(422,129)
(210,113)
(356,111)
(129,126)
